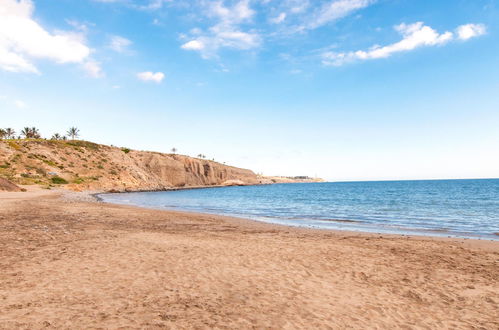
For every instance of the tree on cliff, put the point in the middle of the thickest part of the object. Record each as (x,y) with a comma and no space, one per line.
(10,133)
(30,133)
(73,132)
(3,133)
(56,136)
(174,150)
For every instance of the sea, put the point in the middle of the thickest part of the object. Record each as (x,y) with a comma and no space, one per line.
(445,208)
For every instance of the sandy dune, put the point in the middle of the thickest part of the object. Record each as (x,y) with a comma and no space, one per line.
(72,264)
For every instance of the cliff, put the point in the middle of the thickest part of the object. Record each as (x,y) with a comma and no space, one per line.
(82,165)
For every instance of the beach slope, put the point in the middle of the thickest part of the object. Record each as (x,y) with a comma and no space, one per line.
(68,263)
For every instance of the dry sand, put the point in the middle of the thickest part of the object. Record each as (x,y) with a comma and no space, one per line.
(74,264)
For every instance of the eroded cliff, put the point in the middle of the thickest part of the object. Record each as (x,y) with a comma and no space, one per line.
(81,165)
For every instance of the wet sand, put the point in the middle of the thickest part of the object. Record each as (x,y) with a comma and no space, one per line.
(72,263)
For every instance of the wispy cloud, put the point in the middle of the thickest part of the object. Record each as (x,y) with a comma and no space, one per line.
(20,104)
(93,69)
(335,10)
(156,77)
(226,33)
(413,36)
(119,44)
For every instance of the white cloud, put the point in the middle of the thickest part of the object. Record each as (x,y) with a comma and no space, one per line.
(239,13)
(20,104)
(78,25)
(93,69)
(468,31)
(154,5)
(22,39)
(335,10)
(278,19)
(414,36)
(226,33)
(193,45)
(119,44)
(151,76)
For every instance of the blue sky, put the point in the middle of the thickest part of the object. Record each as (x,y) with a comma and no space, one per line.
(342,89)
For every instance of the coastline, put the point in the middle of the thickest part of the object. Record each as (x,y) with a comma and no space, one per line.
(69,261)
(374,229)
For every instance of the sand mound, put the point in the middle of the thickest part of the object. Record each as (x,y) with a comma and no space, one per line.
(6,185)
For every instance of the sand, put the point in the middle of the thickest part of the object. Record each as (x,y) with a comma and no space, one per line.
(72,263)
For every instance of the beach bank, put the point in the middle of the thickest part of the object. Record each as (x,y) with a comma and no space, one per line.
(68,261)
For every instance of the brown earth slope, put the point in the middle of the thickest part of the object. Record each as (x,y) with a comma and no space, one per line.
(6,185)
(82,165)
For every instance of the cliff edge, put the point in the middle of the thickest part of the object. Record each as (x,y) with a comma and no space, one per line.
(82,165)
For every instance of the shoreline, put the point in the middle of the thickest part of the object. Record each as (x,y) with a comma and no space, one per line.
(281,222)
(71,262)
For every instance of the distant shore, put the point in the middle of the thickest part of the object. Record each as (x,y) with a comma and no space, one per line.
(68,261)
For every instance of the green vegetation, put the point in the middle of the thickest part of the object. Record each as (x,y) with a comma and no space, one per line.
(125,150)
(58,137)
(14,145)
(73,132)
(31,133)
(83,144)
(49,162)
(58,180)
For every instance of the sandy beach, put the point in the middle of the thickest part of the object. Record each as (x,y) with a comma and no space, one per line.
(70,262)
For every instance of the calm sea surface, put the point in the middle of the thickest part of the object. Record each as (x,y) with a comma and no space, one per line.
(458,208)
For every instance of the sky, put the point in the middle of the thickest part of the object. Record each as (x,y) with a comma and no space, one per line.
(340,89)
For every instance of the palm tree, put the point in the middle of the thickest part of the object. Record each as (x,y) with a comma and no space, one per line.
(26,132)
(30,133)
(174,150)
(3,133)
(35,133)
(73,132)
(56,136)
(10,133)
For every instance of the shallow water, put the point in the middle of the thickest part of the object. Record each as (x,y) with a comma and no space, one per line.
(456,208)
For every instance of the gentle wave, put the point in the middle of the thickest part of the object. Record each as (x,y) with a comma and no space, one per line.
(460,208)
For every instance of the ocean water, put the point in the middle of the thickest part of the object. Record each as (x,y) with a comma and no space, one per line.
(455,208)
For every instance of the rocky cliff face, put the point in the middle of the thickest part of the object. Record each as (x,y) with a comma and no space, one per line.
(81,165)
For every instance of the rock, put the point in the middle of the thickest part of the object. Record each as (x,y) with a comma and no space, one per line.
(6,185)
(233,183)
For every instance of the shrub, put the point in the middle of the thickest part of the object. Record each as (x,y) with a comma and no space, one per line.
(125,150)
(14,145)
(85,144)
(58,180)
(49,163)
